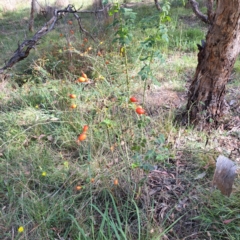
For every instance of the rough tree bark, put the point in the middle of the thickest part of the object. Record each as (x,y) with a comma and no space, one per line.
(216,59)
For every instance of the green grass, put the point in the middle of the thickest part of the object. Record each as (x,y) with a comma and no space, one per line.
(42,163)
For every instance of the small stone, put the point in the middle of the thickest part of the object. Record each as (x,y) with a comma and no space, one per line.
(224,175)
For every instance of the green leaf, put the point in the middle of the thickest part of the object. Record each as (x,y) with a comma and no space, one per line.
(143,58)
(165,37)
(158,55)
(114,9)
(104,2)
(147,167)
(151,154)
(160,139)
(108,122)
(66,164)
(136,148)
(145,72)
(134,165)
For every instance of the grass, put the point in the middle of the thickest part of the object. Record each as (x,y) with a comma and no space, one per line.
(105,187)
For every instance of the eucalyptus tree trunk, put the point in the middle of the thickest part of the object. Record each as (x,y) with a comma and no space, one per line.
(216,59)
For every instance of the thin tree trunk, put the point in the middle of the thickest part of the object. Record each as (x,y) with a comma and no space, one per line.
(35,9)
(31,20)
(215,63)
(97,4)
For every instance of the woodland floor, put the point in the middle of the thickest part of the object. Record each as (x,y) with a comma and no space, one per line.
(173,191)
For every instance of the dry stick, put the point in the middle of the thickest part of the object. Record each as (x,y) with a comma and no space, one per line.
(94,12)
(81,27)
(71,9)
(196,10)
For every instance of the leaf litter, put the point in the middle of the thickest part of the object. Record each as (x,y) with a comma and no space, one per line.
(172,195)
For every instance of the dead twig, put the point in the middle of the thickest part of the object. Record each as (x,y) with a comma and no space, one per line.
(71,9)
(82,29)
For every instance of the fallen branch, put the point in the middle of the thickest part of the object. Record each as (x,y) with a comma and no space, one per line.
(198,13)
(25,47)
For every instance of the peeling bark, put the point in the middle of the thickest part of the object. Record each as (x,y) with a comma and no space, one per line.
(215,63)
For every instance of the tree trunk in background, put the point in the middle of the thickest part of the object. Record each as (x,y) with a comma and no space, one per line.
(215,63)
(31,20)
(97,5)
(35,9)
